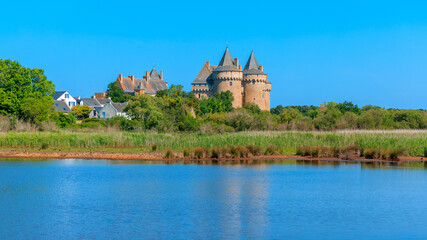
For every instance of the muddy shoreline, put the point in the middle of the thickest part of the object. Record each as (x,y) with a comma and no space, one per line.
(159,156)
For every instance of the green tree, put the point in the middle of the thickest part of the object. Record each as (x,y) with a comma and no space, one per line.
(145,109)
(289,114)
(219,102)
(116,93)
(81,112)
(25,92)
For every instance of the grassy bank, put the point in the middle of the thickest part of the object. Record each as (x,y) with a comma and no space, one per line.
(413,141)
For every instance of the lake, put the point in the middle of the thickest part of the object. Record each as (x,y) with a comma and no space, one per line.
(102,199)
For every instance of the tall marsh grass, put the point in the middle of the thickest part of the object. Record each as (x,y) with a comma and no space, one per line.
(286,142)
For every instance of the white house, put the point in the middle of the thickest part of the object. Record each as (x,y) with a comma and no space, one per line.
(66,97)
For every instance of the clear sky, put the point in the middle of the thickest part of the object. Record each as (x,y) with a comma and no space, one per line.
(367,52)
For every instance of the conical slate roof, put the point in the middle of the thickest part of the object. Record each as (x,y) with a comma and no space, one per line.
(252,66)
(226,63)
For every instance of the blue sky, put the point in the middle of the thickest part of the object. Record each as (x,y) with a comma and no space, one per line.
(367,52)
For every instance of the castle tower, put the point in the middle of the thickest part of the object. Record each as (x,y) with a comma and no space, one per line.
(255,84)
(228,76)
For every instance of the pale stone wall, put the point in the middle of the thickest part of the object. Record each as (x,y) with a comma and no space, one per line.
(230,81)
(254,90)
(202,91)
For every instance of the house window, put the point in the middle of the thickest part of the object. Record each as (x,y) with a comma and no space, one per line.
(199,95)
(103,115)
(67,95)
(74,103)
(69,104)
(231,83)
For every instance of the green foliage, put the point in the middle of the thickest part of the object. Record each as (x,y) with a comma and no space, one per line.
(25,92)
(370,153)
(219,102)
(348,107)
(145,109)
(116,93)
(81,112)
(62,120)
(92,123)
(289,114)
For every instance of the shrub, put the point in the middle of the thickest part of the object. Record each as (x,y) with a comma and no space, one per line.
(216,152)
(234,151)
(243,152)
(22,126)
(271,150)
(384,154)
(352,148)
(45,145)
(198,152)
(48,126)
(5,124)
(254,150)
(425,151)
(303,151)
(169,153)
(186,152)
(154,147)
(362,151)
(396,153)
(370,153)
(314,151)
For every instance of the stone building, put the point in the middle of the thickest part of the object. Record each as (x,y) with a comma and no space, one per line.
(249,85)
(149,84)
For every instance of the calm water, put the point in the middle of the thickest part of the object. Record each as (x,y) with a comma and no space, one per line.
(96,199)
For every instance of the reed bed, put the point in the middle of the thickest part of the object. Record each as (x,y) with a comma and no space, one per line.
(287,142)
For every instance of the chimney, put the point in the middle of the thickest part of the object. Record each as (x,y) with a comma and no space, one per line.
(78,98)
(132,78)
(240,67)
(161,75)
(120,78)
(93,96)
(261,68)
(236,62)
(147,73)
(208,64)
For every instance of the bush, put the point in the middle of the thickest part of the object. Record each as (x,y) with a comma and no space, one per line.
(314,151)
(425,151)
(384,154)
(186,152)
(154,147)
(370,153)
(216,152)
(45,145)
(234,151)
(198,152)
(243,152)
(23,126)
(5,124)
(48,126)
(254,150)
(394,154)
(271,150)
(303,151)
(169,153)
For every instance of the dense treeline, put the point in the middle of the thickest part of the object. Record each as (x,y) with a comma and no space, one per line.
(26,103)
(176,110)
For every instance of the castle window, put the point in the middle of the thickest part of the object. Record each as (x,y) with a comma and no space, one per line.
(231,83)
(253,81)
(199,95)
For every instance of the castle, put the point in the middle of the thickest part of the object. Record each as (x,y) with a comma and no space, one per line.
(149,84)
(248,86)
